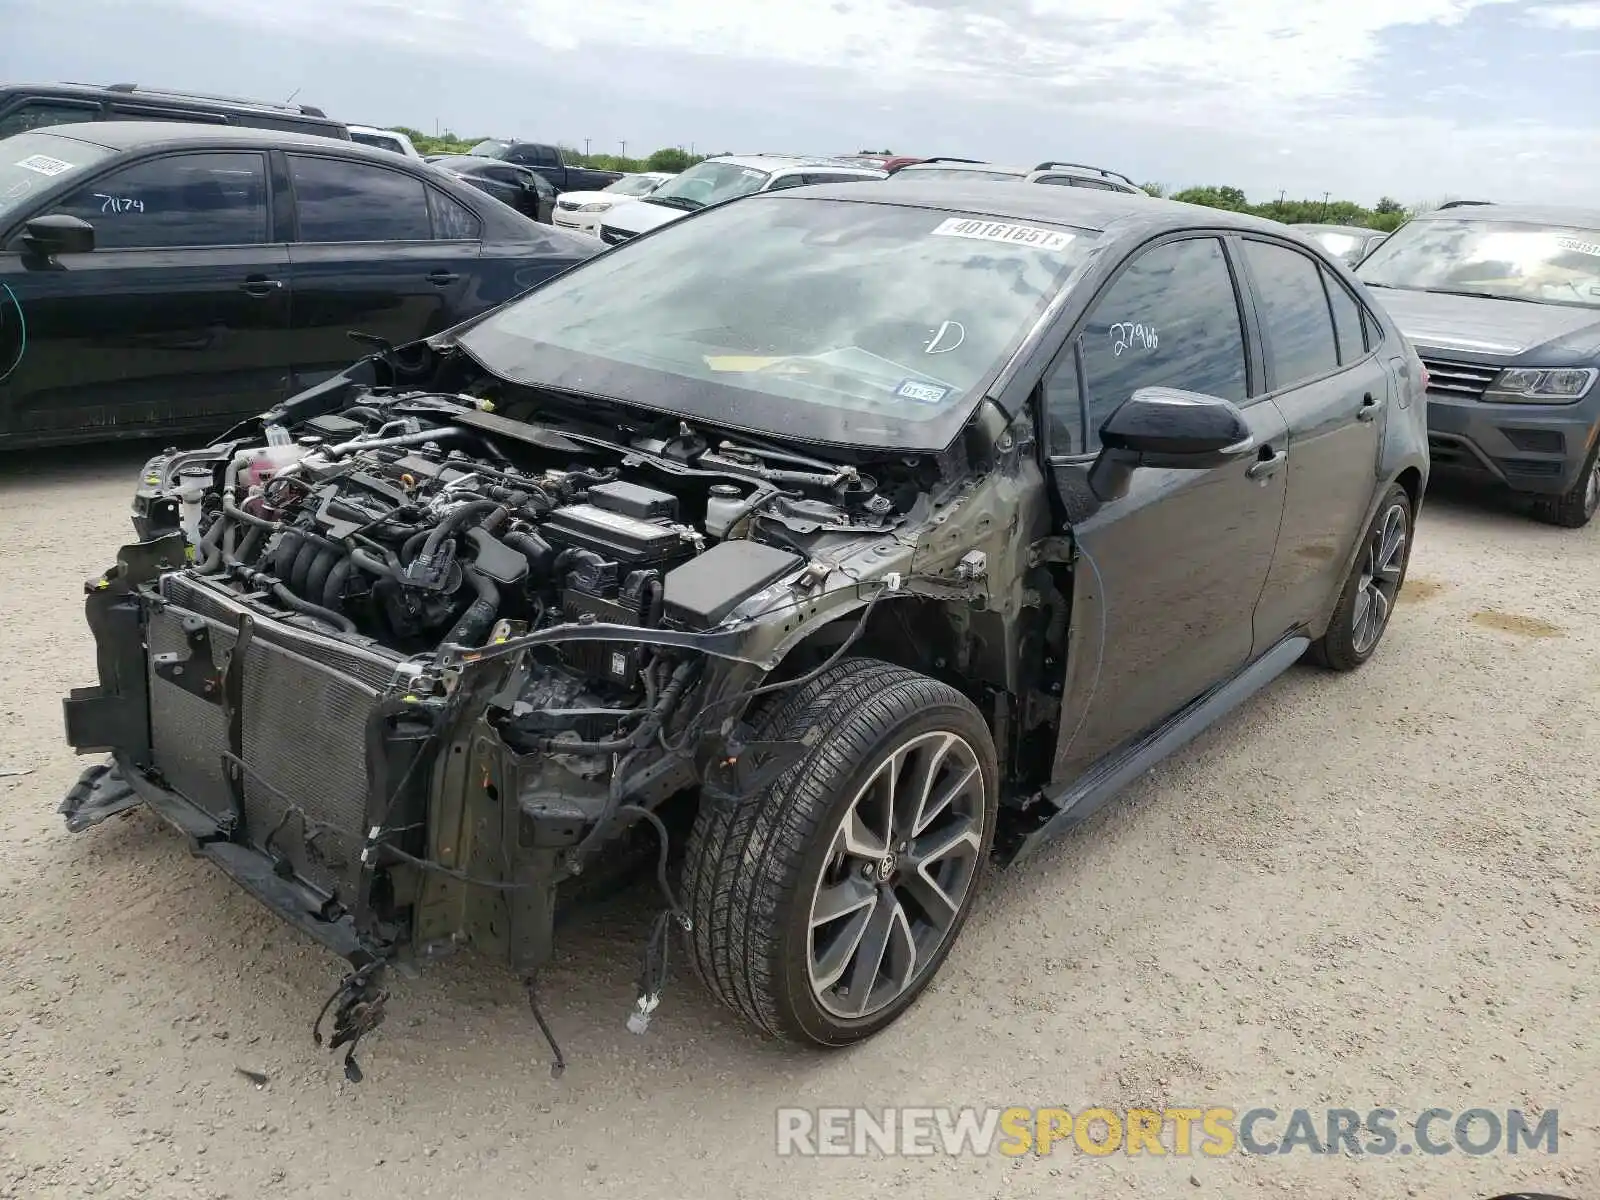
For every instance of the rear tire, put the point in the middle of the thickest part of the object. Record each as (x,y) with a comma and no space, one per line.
(793,892)
(1577,507)
(1368,597)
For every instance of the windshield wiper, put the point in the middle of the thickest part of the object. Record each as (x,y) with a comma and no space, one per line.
(1479,295)
(683,202)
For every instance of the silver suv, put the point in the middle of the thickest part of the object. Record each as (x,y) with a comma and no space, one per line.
(1062,174)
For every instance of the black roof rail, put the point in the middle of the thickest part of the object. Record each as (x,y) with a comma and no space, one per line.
(1100,171)
(1460,203)
(976,162)
(133,89)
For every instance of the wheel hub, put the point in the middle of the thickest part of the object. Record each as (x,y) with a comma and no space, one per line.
(888,866)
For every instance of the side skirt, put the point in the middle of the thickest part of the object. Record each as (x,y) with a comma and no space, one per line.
(1089,792)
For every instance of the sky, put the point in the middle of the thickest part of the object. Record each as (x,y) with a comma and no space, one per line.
(1416,99)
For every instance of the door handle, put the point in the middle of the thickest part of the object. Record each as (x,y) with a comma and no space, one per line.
(259,286)
(1370,407)
(1263,467)
(442,277)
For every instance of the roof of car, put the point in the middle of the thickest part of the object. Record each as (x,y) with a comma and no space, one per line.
(948,164)
(1354,230)
(1082,208)
(144,135)
(1535,214)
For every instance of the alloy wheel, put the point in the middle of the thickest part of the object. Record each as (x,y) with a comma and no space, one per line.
(898,872)
(1382,565)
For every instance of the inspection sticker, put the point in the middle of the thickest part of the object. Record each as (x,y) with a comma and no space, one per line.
(1001,231)
(1577,247)
(922,393)
(44,164)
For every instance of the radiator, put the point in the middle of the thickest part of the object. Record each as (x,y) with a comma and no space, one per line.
(305,704)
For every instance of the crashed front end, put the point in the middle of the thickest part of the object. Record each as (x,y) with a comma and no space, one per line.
(406,669)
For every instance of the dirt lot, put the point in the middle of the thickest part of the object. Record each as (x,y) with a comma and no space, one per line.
(1379,889)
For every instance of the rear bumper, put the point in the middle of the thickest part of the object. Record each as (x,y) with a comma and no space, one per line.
(1539,449)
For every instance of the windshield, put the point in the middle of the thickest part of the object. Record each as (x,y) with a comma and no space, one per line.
(1513,260)
(493,148)
(954,173)
(32,162)
(869,325)
(632,185)
(709,183)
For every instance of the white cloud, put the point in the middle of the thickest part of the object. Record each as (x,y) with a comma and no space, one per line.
(1566,16)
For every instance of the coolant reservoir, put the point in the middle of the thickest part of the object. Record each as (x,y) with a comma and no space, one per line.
(266,461)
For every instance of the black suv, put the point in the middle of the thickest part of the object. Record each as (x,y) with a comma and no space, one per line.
(158,276)
(1503,304)
(37,106)
(888,546)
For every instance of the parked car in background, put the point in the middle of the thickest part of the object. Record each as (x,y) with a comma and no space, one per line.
(718,180)
(175,277)
(384,139)
(583,210)
(522,188)
(852,537)
(884,162)
(549,162)
(1060,174)
(40,105)
(1503,304)
(1352,243)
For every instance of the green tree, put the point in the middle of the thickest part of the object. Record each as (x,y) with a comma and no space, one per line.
(670,158)
(1388,206)
(1211,196)
(1154,189)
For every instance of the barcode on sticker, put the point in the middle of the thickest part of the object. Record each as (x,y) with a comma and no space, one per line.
(1577,247)
(1035,236)
(44,164)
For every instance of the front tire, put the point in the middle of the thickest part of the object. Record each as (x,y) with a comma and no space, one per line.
(1367,600)
(823,907)
(1577,507)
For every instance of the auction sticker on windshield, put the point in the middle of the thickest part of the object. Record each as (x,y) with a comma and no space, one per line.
(1002,231)
(44,164)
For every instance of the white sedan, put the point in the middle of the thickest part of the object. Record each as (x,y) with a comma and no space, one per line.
(582,210)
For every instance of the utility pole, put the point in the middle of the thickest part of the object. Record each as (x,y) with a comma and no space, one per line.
(1325,196)
(586,147)
(1282,192)
(624,148)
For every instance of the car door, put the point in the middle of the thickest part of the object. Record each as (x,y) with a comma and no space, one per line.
(178,318)
(365,259)
(1171,572)
(1333,393)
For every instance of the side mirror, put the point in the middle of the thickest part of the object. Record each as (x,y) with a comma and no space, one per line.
(57,234)
(1171,428)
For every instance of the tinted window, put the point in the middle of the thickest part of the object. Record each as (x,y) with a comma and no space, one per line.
(786,181)
(342,201)
(178,200)
(135,112)
(38,114)
(1295,321)
(546,156)
(1169,320)
(452,220)
(1346,320)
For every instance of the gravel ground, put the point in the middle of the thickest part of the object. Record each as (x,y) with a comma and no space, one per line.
(1368,890)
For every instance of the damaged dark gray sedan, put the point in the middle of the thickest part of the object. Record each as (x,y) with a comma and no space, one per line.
(815,551)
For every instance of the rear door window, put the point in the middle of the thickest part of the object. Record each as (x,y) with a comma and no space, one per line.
(216,199)
(40,114)
(343,201)
(1296,320)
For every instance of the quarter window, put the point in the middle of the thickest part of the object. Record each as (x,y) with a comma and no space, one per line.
(178,200)
(342,201)
(452,220)
(1296,321)
(1346,320)
(1171,319)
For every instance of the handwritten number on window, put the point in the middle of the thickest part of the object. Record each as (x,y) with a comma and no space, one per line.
(118,204)
(1127,335)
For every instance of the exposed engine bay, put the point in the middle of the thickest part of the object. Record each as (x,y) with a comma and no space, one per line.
(412,669)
